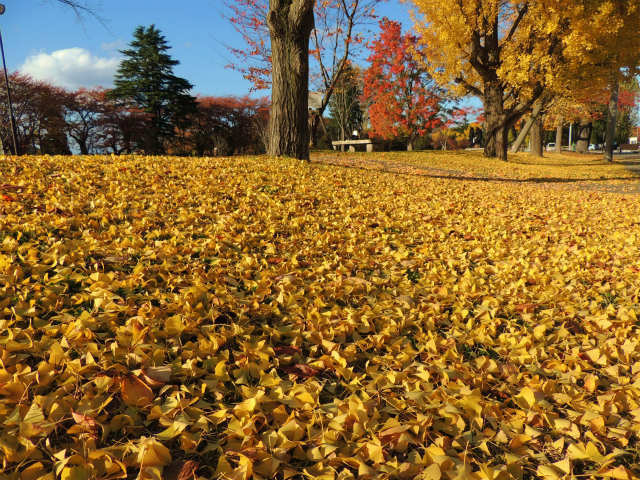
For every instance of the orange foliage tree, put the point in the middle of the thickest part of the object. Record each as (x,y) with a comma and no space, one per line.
(402,97)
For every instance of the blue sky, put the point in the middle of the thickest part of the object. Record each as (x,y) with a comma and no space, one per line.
(50,42)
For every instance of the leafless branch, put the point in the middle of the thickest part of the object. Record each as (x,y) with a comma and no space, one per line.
(81,9)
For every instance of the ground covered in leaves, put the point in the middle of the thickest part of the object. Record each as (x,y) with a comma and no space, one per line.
(258,318)
(566,170)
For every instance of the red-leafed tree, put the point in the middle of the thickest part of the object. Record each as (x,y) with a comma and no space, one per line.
(39,115)
(402,98)
(340,29)
(453,130)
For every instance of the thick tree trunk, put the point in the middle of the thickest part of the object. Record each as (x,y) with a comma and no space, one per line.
(583,135)
(536,137)
(612,118)
(496,128)
(290,24)
(537,108)
(559,137)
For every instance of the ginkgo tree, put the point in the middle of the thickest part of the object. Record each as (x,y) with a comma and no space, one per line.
(493,49)
(509,53)
(606,40)
(587,109)
(601,53)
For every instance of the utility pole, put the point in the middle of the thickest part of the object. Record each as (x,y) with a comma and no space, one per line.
(12,121)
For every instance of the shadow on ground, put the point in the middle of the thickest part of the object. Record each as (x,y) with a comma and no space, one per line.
(626,185)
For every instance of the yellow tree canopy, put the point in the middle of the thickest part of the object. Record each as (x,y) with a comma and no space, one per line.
(502,51)
(604,39)
(470,41)
(601,50)
(539,42)
(510,52)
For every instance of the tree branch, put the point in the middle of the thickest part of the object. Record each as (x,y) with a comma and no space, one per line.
(81,8)
(516,23)
(514,114)
(470,88)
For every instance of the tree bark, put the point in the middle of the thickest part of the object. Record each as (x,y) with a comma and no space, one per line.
(583,135)
(527,126)
(290,25)
(612,118)
(314,122)
(496,128)
(559,137)
(536,137)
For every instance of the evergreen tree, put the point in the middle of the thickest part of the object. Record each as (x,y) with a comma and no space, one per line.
(145,81)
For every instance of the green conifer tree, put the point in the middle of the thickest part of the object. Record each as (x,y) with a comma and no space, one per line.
(145,81)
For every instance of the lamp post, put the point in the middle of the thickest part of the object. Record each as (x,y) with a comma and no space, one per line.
(6,81)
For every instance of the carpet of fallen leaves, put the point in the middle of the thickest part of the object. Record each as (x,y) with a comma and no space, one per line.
(561,170)
(257,318)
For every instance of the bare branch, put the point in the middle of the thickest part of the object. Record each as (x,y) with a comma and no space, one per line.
(81,8)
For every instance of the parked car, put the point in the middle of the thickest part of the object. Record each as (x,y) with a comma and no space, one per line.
(551,146)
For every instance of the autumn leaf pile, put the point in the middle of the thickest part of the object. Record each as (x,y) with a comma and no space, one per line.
(258,318)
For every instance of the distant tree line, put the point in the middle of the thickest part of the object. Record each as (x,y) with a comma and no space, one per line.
(54,121)
(519,58)
(150,110)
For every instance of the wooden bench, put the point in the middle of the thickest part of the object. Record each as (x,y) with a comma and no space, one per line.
(353,144)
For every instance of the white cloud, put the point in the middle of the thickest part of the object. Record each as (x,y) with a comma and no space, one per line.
(71,68)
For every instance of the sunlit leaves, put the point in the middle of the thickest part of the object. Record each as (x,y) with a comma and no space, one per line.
(259,318)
